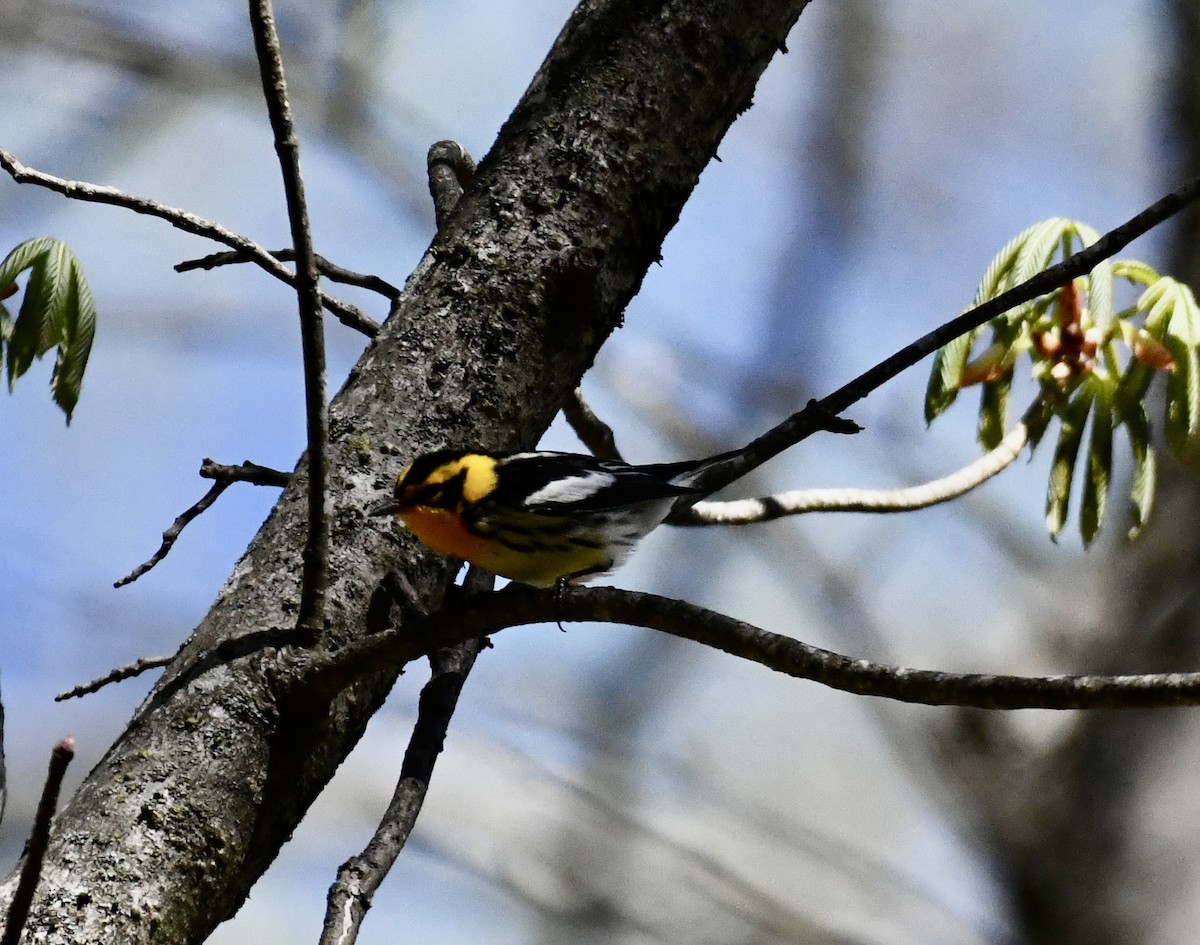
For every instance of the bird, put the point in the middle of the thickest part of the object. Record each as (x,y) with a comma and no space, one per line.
(540,518)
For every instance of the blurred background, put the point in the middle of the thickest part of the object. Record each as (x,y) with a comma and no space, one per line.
(611,785)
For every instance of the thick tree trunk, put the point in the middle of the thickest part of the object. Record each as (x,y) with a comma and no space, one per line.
(507,310)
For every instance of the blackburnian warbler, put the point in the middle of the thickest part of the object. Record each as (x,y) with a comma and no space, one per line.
(539,518)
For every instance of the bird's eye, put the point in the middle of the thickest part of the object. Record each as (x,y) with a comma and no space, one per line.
(432,495)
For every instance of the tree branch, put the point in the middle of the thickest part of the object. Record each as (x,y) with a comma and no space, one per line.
(171,535)
(249,472)
(593,432)
(315,577)
(330,270)
(879,501)
(515,606)
(119,674)
(181,220)
(359,877)
(450,169)
(815,416)
(35,848)
(224,477)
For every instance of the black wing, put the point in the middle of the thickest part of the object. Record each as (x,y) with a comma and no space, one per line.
(548,482)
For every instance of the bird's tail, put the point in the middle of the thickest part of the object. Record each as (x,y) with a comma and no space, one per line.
(686,474)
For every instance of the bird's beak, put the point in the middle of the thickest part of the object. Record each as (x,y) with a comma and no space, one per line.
(391,507)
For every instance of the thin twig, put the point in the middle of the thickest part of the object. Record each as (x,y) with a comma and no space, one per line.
(39,839)
(118,674)
(802,501)
(182,220)
(817,414)
(593,432)
(360,876)
(249,472)
(330,270)
(488,614)
(224,477)
(315,558)
(170,536)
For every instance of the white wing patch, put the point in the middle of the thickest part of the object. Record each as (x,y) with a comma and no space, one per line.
(571,489)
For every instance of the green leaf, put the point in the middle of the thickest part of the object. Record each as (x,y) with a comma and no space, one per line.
(1100,297)
(1133,384)
(1135,271)
(1098,473)
(1037,422)
(946,376)
(1183,395)
(1141,494)
(993,410)
(57,311)
(1062,469)
(22,257)
(998,275)
(1170,306)
(1039,247)
(1185,316)
(79,329)
(33,323)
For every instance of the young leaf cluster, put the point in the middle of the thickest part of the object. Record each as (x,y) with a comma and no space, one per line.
(1092,364)
(57,312)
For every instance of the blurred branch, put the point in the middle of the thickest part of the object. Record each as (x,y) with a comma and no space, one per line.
(593,432)
(802,501)
(35,847)
(486,614)
(315,569)
(182,220)
(1074,821)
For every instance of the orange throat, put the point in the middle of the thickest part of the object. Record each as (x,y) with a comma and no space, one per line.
(443,531)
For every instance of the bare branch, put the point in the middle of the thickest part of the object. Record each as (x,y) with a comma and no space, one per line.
(593,432)
(224,477)
(815,416)
(802,501)
(171,535)
(249,472)
(35,848)
(360,876)
(315,576)
(330,270)
(119,674)
(182,220)
(514,606)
